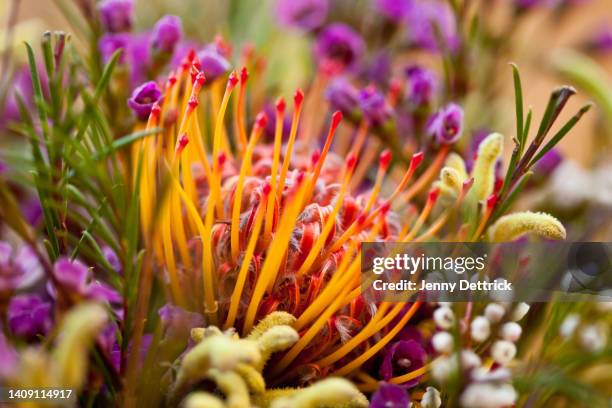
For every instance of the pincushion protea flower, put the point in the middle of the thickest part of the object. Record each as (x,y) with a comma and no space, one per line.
(241,229)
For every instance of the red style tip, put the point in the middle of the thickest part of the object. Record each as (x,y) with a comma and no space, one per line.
(433,195)
(155,110)
(267,189)
(362,219)
(385,207)
(221,158)
(191,55)
(298,97)
(491,201)
(417,158)
(232,80)
(300,177)
(336,118)
(351,161)
(385,159)
(467,184)
(193,103)
(200,78)
(181,143)
(314,158)
(280,105)
(244,75)
(261,120)
(172,79)
(395,87)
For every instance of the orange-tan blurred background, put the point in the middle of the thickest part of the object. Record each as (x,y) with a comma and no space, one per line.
(540,37)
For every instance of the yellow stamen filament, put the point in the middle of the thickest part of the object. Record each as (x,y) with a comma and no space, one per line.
(278,134)
(427,176)
(327,228)
(420,221)
(246,160)
(378,346)
(244,268)
(289,149)
(278,246)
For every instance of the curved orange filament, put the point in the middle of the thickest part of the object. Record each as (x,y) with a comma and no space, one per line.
(356,363)
(297,109)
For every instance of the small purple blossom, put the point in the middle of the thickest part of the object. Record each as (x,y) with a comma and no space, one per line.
(432,26)
(339,43)
(112,258)
(116,15)
(110,42)
(342,96)
(18,270)
(421,87)
(402,357)
(8,358)
(446,125)
(374,106)
(74,276)
(378,70)
(527,4)
(143,98)
(549,162)
(213,63)
(394,10)
(166,34)
(390,396)
(601,40)
(303,14)
(29,316)
(177,322)
(270,128)
(139,58)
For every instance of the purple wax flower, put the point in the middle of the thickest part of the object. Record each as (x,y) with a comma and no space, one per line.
(76,277)
(270,128)
(213,63)
(339,43)
(378,70)
(402,357)
(3,167)
(72,274)
(549,162)
(145,344)
(178,322)
(29,316)
(21,86)
(8,358)
(143,98)
(112,258)
(390,396)
(116,15)
(431,22)
(421,87)
(602,39)
(303,14)
(18,270)
(139,58)
(527,4)
(394,10)
(109,43)
(342,96)
(166,34)
(446,125)
(32,210)
(374,106)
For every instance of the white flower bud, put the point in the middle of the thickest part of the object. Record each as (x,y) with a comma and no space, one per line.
(469,359)
(519,311)
(593,337)
(431,398)
(444,317)
(511,331)
(480,329)
(483,395)
(442,342)
(498,375)
(494,312)
(503,351)
(569,325)
(442,368)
